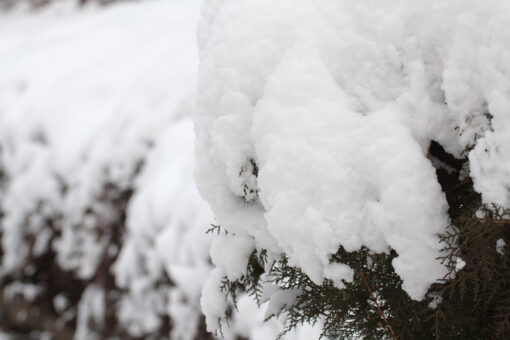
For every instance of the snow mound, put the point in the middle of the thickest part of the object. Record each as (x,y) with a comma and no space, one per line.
(314,120)
(96,166)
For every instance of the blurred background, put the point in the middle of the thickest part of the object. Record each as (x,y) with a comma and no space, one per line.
(102,230)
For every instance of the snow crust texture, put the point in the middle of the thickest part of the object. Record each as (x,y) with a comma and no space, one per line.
(314,120)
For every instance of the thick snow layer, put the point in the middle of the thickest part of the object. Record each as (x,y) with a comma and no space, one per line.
(314,120)
(101,98)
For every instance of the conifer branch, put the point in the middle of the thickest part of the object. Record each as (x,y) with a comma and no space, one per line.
(492,220)
(379,311)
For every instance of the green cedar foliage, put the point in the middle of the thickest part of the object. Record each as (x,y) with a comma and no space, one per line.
(471,302)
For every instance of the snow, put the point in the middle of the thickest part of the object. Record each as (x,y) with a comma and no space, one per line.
(234,252)
(459,264)
(337,272)
(500,246)
(213,301)
(92,307)
(336,102)
(93,92)
(166,235)
(60,303)
(313,121)
(249,319)
(28,291)
(249,322)
(101,98)
(95,102)
(280,299)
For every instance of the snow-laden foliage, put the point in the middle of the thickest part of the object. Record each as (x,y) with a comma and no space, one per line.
(103,233)
(314,122)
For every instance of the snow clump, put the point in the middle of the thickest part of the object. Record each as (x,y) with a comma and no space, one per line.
(314,120)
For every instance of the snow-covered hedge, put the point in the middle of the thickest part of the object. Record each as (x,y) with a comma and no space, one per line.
(314,123)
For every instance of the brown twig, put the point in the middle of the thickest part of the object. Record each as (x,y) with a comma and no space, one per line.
(388,326)
(461,183)
(502,221)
